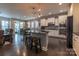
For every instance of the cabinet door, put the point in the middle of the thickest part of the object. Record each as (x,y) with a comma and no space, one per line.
(69,31)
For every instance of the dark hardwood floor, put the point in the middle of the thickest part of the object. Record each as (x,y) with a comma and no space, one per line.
(56,47)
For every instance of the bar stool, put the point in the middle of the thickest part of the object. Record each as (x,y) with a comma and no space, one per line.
(36,43)
(27,39)
(9,36)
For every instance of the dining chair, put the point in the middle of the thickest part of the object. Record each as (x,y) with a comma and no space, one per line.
(1,38)
(9,36)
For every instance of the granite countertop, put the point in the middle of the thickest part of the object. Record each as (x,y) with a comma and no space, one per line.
(41,32)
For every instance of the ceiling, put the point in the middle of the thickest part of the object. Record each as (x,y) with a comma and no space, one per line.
(27,11)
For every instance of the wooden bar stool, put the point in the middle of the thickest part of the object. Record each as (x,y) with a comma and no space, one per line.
(27,39)
(36,43)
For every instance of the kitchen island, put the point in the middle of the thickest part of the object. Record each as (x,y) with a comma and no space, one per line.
(43,36)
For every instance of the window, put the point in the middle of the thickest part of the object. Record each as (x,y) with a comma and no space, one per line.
(5,25)
(17,26)
(21,24)
(36,24)
(28,23)
(33,25)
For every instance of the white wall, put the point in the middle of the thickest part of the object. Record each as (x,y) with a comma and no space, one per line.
(76,18)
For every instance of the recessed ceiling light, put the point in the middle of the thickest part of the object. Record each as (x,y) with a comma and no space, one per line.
(39,16)
(60,3)
(39,9)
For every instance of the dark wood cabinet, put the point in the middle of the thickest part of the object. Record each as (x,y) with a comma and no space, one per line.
(69,31)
